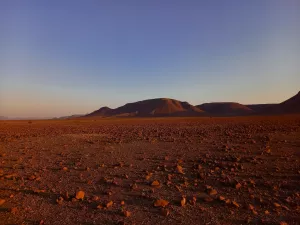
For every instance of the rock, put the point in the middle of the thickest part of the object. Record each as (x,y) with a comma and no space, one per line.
(228,201)
(39,191)
(251,207)
(238,186)
(60,200)
(286,208)
(221,198)
(276,205)
(235,204)
(32,177)
(95,198)
(165,212)
(268,150)
(155,183)
(2,201)
(79,195)
(179,169)
(13,210)
(183,201)
(193,200)
(283,223)
(109,204)
(126,213)
(134,186)
(161,203)
(208,199)
(205,197)
(213,192)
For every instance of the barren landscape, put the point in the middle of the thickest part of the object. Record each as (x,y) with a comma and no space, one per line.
(149,112)
(205,170)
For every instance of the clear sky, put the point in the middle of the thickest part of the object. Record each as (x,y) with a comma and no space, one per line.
(63,57)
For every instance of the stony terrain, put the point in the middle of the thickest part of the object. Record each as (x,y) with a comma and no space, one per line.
(242,170)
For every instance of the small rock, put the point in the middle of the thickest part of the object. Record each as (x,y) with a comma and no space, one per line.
(100,207)
(95,198)
(2,201)
(165,212)
(235,204)
(79,195)
(238,186)
(213,192)
(155,183)
(161,203)
(109,204)
(126,213)
(276,205)
(14,210)
(183,201)
(208,199)
(251,207)
(221,198)
(283,223)
(180,169)
(193,200)
(60,200)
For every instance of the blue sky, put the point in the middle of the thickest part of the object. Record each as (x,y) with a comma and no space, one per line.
(64,57)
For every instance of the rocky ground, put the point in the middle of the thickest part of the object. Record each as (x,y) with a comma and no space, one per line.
(243,170)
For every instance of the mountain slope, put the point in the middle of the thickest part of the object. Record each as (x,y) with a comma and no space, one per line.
(225,108)
(151,107)
(259,107)
(103,111)
(290,106)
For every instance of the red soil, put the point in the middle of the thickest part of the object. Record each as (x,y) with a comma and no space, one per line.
(238,170)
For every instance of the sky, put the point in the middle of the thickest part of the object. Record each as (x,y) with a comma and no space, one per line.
(64,57)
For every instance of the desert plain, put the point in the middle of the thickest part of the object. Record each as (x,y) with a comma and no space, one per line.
(205,170)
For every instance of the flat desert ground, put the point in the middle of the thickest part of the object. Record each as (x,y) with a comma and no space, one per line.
(235,170)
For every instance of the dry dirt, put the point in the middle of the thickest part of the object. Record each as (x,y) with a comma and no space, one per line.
(241,170)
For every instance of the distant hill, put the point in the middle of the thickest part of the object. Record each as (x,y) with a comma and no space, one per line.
(290,106)
(151,107)
(103,111)
(3,118)
(259,107)
(225,109)
(172,107)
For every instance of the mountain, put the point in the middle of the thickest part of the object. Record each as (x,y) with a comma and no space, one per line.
(103,111)
(172,107)
(151,107)
(259,107)
(290,106)
(3,118)
(225,109)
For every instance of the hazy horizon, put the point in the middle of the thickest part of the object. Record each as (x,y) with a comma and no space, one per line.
(59,58)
